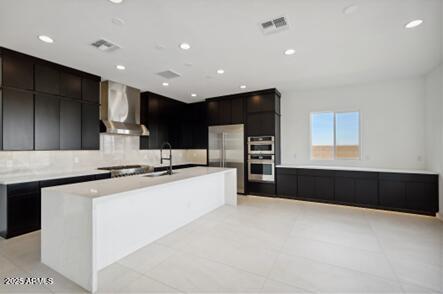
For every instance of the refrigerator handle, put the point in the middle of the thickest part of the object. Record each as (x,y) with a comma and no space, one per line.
(223,151)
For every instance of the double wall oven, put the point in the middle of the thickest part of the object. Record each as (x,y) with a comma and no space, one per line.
(261,159)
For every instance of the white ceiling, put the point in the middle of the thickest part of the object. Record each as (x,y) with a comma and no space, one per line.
(331,48)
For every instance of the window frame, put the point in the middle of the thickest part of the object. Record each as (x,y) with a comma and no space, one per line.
(360,149)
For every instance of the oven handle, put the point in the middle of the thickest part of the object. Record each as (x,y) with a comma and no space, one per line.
(261,161)
(261,143)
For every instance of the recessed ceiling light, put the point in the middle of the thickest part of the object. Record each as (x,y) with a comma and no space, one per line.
(165,84)
(120,67)
(194,95)
(243,87)
(350,9)
(414,23)
(45,39)
(185,46)
(116,1)
(290,52)
(220,71)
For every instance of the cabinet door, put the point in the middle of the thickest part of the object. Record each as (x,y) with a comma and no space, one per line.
(18,120)
(324,188)
(47,79)
(47,122)
(91,90)
(213,113)
(225,112)
(90,127)
(18,70)
(259,103)
(70,125)
(392,194)
(422,196)
(344,189)
(261,124)
(23,214)
(237,111)
(306,186)
(366,191)
(70,85)
(286,183)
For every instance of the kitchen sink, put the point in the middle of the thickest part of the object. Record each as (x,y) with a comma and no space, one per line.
(158,174)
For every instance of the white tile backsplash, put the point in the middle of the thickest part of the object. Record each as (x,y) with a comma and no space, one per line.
(114,150)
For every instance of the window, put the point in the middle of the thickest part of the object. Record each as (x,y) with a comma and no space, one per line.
(335,135)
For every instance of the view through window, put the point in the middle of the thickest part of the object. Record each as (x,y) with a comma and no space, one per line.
(335,135)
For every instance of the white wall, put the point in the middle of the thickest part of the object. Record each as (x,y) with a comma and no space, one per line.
(392,122)
(434,125)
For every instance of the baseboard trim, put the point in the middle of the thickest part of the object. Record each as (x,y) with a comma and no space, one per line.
(439,216)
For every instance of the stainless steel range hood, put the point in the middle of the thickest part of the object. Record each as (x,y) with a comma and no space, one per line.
(120,110)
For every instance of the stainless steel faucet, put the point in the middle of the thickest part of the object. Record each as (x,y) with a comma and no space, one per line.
(167,144)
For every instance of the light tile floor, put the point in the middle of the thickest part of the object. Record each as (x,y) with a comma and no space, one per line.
(269,246)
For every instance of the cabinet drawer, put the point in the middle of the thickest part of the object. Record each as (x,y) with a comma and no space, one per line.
(286,171)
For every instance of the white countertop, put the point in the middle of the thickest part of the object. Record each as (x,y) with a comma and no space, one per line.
(45,175)
(352,168)
(107,187)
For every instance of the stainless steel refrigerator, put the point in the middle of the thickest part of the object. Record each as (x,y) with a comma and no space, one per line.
(226,149)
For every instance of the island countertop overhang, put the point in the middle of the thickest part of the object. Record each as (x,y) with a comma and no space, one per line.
(113,186)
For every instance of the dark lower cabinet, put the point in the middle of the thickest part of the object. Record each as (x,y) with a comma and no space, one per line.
(258,188)
(415,193)
(70,125)
(20,204)
(47,122)
(23,209)
(18,120)
(90,127)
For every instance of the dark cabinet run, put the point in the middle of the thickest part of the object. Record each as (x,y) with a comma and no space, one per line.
(70,125)
(416,193)
(18,120)
(47,122)
(90,127)
(47,79)
(70,85)
(266,102)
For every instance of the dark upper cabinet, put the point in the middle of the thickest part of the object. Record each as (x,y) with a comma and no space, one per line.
(263,102)
(18,120)
(1,119)
(213,113)
(47,122)
(70,125)
(17,70)
(91,90)
(225,117)
(237,109)
(90,127)
(261,124)
(70,85)
(47,79)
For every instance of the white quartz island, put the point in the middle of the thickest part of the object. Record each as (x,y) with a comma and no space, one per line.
(88,226)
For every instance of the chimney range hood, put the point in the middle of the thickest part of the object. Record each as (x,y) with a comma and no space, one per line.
(120,110)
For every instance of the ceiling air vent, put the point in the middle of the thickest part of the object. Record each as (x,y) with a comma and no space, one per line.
(274,25)
(105,46)
(169,74)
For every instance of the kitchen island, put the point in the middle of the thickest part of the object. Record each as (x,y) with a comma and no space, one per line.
(88,226)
